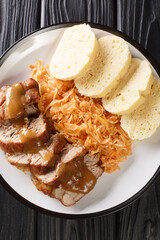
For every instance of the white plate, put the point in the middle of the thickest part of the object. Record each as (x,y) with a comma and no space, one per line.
(112,191)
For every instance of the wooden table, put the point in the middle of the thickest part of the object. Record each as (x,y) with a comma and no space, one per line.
(140,19)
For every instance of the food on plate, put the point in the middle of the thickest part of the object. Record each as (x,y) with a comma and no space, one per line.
(82,120)
(70,188)
(61,131)
(70,153)
(20,160)
(16,132)
(65,167)
(132,89)
(32,144)
(18,99)
(75,52)
(144,121)
(39,156)
(110,65)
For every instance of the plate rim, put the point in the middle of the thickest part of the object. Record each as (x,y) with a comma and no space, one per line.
(120,206)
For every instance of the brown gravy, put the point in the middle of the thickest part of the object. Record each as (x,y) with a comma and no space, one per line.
(15,101)
(32,144)
(76,177)
(25,134)
(38,147)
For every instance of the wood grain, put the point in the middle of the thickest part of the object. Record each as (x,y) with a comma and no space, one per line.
(141,220)
(140,20)
(17,18)
(16,220)
(86,229)
(95,11)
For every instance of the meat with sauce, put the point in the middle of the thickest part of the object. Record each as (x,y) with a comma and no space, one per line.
(58,168)
(14,134)
(37,156)
(14,99)
(45,157)
(20,160)
(68,154)
(72,186)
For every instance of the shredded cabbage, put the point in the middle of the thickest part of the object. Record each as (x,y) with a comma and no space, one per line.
(81,119)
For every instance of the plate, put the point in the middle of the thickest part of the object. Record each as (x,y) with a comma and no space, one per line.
(112,191)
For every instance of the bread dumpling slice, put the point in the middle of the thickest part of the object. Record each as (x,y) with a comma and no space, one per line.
(144,121)
(132,89)
(75,52)
(110,64)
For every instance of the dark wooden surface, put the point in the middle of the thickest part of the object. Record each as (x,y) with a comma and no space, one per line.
(139,19)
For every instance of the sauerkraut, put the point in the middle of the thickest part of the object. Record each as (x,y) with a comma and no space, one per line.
(81,119)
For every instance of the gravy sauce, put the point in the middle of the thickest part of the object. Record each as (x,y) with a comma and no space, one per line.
(37,147)
(15,101)
(32,144)
(77,177)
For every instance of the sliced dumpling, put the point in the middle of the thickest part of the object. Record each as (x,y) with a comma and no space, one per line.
(132,89)
(144,121)
(111,63)
(75,52)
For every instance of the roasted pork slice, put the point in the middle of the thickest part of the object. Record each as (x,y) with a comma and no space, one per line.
(68,154)
(66,197)
(58,142)
(69,197)
(18,133)
(18,159)
(29,83)
(32,96)
(71,152)
(32,110)
(93,164)
(2,111)
(39,158)
(46,189)
(40,127)
(15,98)
(48,178)
(39,161)
(10,140)
(46,157)
(3,94)
(74,183)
